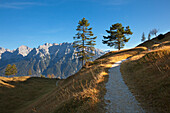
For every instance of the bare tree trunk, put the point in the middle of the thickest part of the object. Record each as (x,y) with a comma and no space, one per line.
(83,55)
(119,44)
(83,47)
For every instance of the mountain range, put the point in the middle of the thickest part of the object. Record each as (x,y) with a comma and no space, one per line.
(57,59)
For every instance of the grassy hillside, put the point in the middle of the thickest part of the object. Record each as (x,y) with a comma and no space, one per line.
(82,92)
(152,43)
(148,76)
(18,92)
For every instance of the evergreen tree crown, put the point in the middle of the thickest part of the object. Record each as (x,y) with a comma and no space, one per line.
(117,36)
(84,41)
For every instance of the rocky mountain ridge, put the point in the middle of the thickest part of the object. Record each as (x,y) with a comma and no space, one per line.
(57,59)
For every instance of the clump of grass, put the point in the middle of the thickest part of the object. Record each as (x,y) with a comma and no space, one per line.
(147,75)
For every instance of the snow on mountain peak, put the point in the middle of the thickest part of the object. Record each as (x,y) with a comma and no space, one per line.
(2,50)
(58,59)
(24,50)
(45,48)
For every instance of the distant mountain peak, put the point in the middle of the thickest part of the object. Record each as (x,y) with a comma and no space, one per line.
(24,50)
(23,46)
(55,44)
(57,59)
(3,50)
(48,44)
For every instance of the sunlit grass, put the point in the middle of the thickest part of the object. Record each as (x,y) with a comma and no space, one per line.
(148,76)
(3,81)
(83,91)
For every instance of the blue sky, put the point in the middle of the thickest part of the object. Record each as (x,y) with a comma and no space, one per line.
(35,22)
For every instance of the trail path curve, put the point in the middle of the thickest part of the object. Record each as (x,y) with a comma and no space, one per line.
(118,97)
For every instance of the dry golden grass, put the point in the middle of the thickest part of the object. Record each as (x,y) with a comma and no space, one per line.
(148,77)
(151,44)
(18,92)
(3,81)
(15,79)
(83,91)
(161,46)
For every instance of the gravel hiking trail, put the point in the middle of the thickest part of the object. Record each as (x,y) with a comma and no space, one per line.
(118,97)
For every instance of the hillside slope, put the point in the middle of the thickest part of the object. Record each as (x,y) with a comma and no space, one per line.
(150,44)
(82,92)
(148,76)
(18,92)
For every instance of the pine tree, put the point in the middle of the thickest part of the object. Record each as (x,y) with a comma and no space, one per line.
(8,70)
(117,36)
(29,72)
(84,41)
(13,69)
(149,36)
(143,37)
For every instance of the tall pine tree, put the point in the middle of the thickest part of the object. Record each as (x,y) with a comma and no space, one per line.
(116,36)
(149,36)
(143,37)
(13,69)
(29,72)
(84,41)
(8,70)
